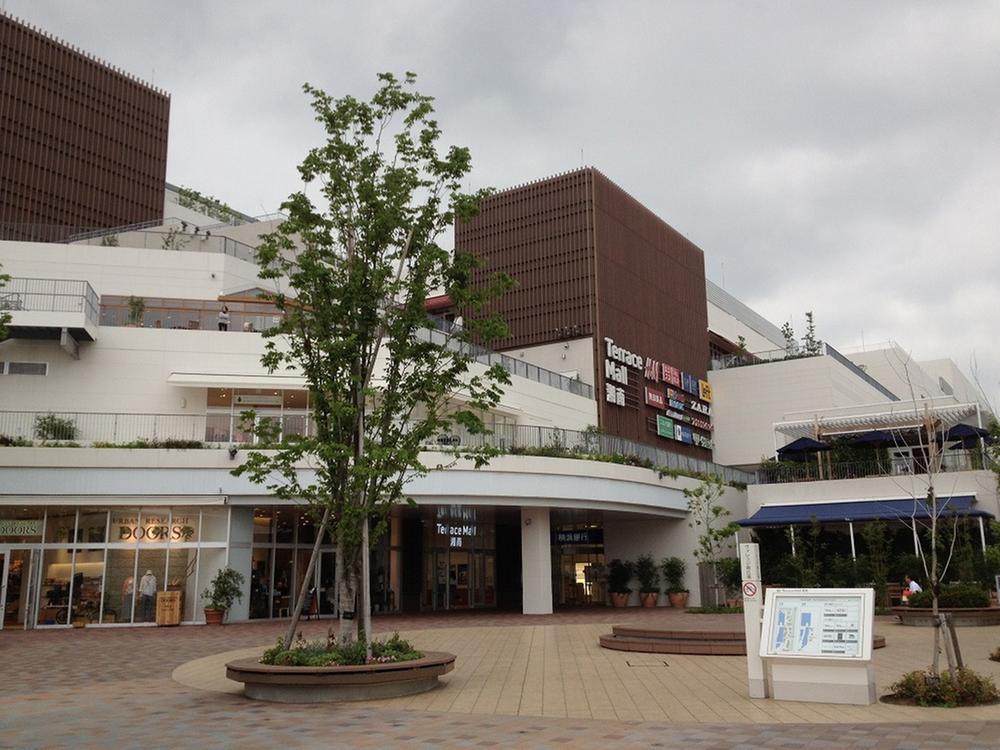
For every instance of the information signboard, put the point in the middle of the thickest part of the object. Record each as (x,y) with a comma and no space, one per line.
(818,624)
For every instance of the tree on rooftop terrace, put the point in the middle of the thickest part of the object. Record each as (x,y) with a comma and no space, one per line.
(360,264)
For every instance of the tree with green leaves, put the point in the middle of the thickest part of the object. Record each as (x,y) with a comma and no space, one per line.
(791,343)
(356,267)
(706,514)
(811,344)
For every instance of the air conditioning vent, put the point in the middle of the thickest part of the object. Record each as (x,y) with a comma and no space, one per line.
(27,368)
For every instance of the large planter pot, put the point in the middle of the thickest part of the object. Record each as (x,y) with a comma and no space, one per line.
(962,617)
(357,682)
(732,603)
(649,598)
(678,599)
(619,599)
(214,616)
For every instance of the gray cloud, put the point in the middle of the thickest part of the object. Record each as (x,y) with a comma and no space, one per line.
(841,157)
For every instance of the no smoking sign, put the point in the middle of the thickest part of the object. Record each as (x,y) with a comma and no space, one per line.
(750,589)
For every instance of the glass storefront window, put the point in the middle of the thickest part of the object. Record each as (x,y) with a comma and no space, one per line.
(124,522)
(88,578)
(283,562)
(260,584)
(307,527)
(154,526)
(119,586)
(21,525)
(284,525)
(182,568)
(210,562)
(54,593)
(185,524)
(215,524)
(92,526)
(263,525)
(60,524)
(150,579)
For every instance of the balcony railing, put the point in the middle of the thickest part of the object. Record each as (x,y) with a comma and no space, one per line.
(50,295)
(511,364)
(87,428)
(787,471)
(174,239)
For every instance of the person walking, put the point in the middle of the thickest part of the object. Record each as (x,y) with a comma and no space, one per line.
(224,318)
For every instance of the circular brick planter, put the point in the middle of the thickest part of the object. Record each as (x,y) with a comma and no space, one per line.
(970,617)
(358,682)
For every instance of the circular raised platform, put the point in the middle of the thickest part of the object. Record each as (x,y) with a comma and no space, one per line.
(966,617)
(356,682)
(702,642)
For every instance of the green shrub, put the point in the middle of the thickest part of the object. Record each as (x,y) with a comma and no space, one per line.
(330,653)
(673,572)
(51,427)
(646,572)
(6,441)
(924,689)
(714,610)
(730,575)
(956,595)
(619,576)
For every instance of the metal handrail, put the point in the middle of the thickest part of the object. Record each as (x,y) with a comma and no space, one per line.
(50,295)
(223,428)
(786,472)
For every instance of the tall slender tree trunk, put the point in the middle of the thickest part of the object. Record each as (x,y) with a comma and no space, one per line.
(347,595)
(300,600)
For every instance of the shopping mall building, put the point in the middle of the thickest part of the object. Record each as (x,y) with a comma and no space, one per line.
(613,326)
(120,397)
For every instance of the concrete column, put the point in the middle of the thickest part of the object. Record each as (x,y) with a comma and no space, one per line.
(536,561)
(239,557)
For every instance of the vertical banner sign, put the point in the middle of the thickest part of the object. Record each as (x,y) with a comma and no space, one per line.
(753,608)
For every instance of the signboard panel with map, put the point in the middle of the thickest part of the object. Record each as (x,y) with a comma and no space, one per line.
(818,624)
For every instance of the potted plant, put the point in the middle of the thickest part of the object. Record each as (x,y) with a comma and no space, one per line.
(619,576)
(673,571)
(731,578)
(649,580)
(136,308)
(224,589)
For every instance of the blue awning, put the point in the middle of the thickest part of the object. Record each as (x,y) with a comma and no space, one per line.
(861,510)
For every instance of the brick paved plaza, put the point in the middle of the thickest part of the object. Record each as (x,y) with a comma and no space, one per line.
(519,682)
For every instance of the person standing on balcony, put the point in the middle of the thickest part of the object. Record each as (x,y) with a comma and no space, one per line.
(224,318)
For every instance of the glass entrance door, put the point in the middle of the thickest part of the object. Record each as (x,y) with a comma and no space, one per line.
(15,588)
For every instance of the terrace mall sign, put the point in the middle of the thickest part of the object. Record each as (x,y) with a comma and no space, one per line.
(680,393)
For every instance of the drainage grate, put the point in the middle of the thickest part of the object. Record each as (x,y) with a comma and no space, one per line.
(648,663)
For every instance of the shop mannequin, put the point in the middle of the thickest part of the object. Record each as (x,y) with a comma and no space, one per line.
(128,588)
(147,595)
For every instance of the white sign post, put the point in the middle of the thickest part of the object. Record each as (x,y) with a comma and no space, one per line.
(753,604)
(819,645)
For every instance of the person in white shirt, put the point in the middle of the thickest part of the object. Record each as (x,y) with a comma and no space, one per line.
(147,595)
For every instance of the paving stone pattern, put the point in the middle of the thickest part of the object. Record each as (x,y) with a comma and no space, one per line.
(521,682)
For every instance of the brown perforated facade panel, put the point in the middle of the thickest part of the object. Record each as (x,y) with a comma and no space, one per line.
(542,235)
(82,145)
(650,300)
(590,260)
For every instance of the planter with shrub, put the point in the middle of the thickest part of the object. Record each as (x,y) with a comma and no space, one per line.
(649,580)
(673,569)
(968,604)
(619,577)
(225,589)
(922,688)
(731,578)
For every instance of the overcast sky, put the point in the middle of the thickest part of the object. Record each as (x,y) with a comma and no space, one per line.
(840,157)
